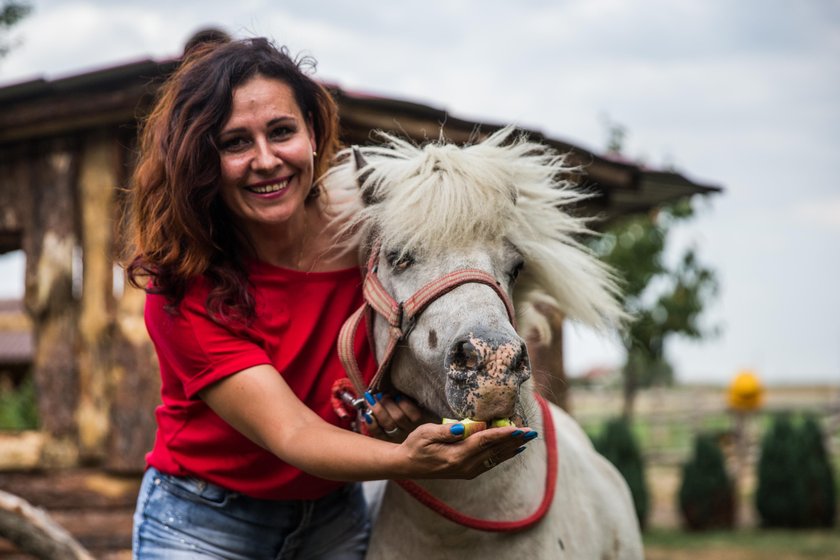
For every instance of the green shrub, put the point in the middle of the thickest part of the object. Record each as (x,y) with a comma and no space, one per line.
(707,494)
(780,496)
(795,477)
(619,446)
(818,474)
(18,406)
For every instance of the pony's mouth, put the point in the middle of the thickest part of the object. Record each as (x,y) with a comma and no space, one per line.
(471,426)
(516,420)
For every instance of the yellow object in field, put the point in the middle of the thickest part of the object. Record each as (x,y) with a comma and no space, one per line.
(746,392)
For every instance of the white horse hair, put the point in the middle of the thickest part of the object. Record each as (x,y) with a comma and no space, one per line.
(439,196)
(492,206)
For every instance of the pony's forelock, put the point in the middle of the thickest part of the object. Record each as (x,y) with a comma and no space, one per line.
(439,196)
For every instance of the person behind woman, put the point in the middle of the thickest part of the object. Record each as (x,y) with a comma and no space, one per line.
(246,292)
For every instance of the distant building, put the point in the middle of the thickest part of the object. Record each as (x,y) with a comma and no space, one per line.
(600,377)
(16,345)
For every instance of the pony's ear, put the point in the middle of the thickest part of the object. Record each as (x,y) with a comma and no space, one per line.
(364,171)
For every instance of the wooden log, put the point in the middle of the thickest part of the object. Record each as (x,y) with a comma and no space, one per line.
(50,241)
(12,198)
(97,182)
(73,489)
(137,386)
(21,450)
(32,530)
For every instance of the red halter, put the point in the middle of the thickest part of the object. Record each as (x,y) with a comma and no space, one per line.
(401,318)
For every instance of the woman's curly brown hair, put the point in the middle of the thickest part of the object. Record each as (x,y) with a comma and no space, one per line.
(178,228)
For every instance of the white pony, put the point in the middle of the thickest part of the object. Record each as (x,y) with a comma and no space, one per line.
(495,207)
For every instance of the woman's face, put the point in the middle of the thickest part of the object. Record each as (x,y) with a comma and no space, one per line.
(266,152)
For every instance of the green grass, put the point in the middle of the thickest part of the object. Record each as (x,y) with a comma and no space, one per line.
(807,544)
(18,407)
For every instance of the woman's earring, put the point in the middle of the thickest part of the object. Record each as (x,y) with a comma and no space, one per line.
(314,153)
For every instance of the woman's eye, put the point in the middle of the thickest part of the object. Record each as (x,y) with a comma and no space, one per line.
(514,272)
(281,132)
(234,144)
(399,261)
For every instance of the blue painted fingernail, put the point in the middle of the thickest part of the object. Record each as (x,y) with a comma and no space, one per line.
(457,429)
(518,451)
(379,397)
(398,398)
(517,433)
(531,435)
(368,419)
(369,398)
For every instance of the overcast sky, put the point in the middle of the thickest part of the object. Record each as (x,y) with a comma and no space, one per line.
(742,94)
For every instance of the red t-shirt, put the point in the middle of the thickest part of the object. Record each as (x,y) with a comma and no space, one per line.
(298,318)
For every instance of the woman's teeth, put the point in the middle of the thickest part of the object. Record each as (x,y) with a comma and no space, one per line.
(270,188)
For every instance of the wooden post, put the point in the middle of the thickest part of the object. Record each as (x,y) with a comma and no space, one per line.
(137,386)
(50,241)
(547,362)
(97,181)
(134,372)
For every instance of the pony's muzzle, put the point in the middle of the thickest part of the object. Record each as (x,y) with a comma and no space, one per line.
(484,372)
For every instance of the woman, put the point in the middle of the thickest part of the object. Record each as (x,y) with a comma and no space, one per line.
(246,294)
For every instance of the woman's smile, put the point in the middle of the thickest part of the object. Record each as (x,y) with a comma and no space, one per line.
(272,186)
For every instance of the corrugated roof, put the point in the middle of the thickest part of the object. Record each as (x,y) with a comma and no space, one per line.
(119,95)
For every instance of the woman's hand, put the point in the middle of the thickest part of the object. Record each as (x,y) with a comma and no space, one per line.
(391,417)
(438,451)
(259,404)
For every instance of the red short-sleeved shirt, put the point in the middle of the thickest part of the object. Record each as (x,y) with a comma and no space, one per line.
(298,317)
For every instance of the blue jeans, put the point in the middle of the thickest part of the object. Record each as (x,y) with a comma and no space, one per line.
(179,518)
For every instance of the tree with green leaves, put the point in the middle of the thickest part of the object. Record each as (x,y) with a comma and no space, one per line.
(11,12)
(664,299)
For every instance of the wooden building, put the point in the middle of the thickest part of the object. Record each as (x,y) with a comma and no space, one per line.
(66,150)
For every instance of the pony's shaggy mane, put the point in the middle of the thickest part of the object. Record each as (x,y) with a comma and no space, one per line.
(426,199)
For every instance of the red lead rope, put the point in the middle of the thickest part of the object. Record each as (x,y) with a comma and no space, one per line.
(400,318)
(436,505)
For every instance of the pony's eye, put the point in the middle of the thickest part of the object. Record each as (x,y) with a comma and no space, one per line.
(514,272)
(399,260)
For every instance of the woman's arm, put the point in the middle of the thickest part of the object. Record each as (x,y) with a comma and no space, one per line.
(258,403)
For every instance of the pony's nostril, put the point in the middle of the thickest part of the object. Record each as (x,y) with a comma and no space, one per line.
(521,363)
(464,355)
(470,355)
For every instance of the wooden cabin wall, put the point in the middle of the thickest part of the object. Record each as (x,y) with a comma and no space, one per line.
(134,367)
(93,364)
